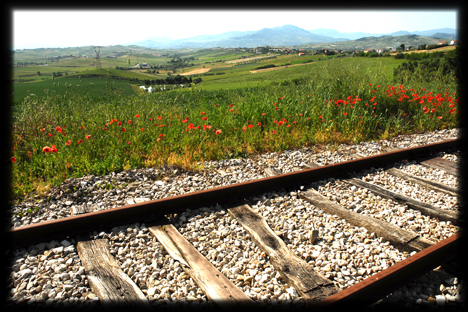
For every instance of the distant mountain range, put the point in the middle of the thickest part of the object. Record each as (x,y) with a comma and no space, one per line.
(287,35)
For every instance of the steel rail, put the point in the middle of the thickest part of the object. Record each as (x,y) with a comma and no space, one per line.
(386,281)
(100,220)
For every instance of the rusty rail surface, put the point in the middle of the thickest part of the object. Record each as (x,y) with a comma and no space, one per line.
(100,220)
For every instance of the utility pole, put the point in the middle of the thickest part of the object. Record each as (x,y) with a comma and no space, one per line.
(98,59)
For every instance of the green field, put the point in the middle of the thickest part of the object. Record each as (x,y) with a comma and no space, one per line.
(99,121)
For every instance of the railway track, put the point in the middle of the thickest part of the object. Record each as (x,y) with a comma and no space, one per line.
(326,235)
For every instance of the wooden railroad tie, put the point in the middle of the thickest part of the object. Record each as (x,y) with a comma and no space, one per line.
(402,239)
(106,279)
(113,287)
(213,283)
(443,164)
(309,284)
(426,209)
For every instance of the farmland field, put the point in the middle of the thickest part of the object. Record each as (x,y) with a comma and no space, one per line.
(98,121)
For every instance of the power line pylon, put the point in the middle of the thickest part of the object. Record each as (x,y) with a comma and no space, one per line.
(98,59)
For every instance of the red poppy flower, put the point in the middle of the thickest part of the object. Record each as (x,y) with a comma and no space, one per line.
(80,141)
(250,126)
(161,135)
(68,142)
(276,108)
(158,139)
(43,129)
(263,114)
(231,105)
(204,118)
(82,127)
(300,115)
(140,129)
(46,149)
(159,118)
(218,132)
(53,149)
(216,105)
(151,118)
(440,117)
(203,113)
(273,132)
(136,116)
(129,121)
(308,118)
(119,123)
(259,123)
(123,130)
(50,134)
(320,117)
(129,143)
(88,136)
(281,97)
(13,159)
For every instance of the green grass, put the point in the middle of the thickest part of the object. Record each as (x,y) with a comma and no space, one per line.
(334,101)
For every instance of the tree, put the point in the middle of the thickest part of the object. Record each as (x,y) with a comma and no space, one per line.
(402,46)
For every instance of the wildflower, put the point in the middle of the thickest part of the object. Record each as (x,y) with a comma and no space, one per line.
(151,118)
(129,122)
(273,132)
(104,128)
(58,129)
(43,129)
(280,123)
(259,123)
(50,134)
(159,139)
(370,84)
(46,149)
(123,130)
(68,142)
(263,114)
(218,132)
(159,118)
(82,127)
(53,149)
(88,136)
(216,105)
(300,115)
(119,123)
(161,135)
(345,114)
(231,110)
(281,97)
(308,118)
(13,159)
(440,117)
(136,116)
(288,126)
(204,118)
(432,110)
(129,143)
(203,113)
(250,126)
(276,108)
(320,117)
(80,141)
(140,129)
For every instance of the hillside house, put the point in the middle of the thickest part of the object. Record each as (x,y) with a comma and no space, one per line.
(454,42)
(301,53)
(369,50)
(442,42)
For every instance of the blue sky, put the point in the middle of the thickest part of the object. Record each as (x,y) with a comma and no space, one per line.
(36,28)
